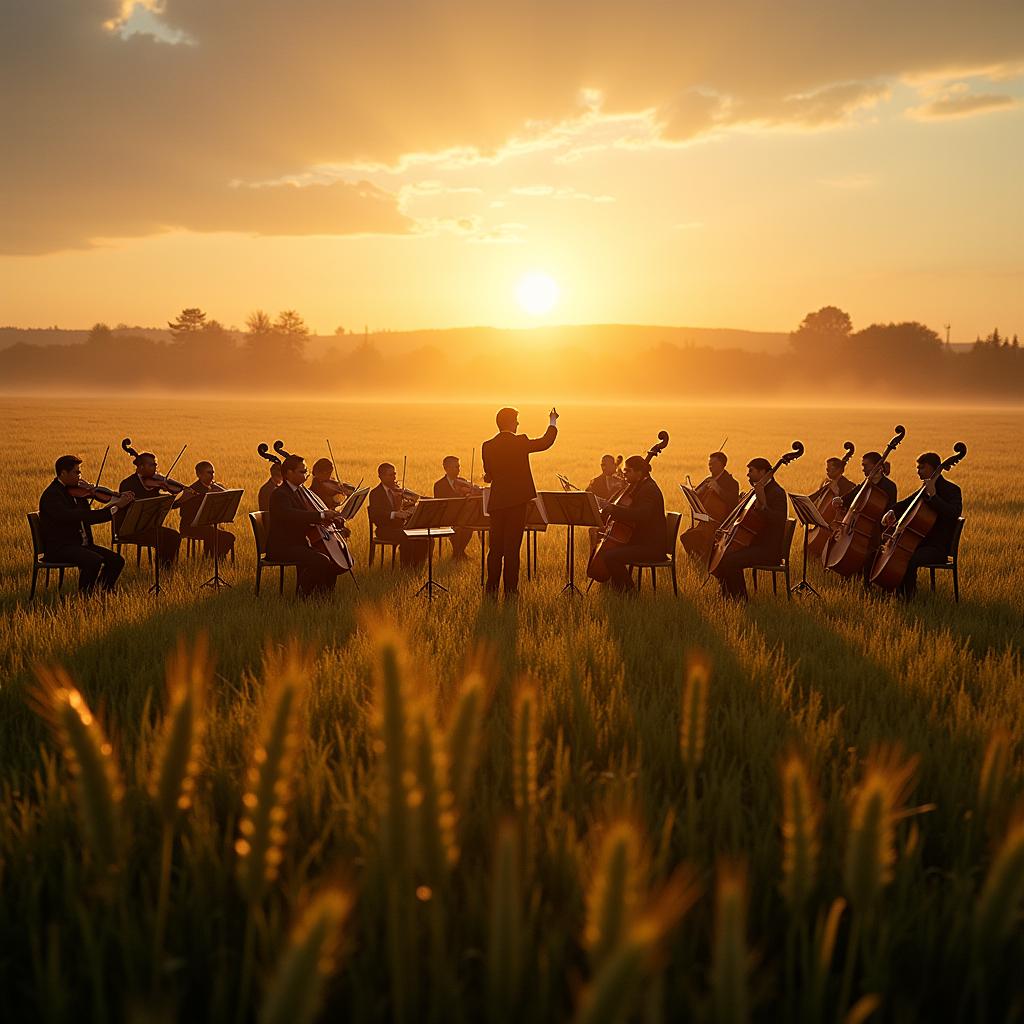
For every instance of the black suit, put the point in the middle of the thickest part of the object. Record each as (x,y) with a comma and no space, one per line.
(412,550)
(65,525)
(460,541)
(646,513)
(290,515)
(164,539)
(767,546)
(210,535)
(698,540)
(888,488)
(948,504)
(506,458)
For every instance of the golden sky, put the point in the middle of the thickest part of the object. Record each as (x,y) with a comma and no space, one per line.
(403,164)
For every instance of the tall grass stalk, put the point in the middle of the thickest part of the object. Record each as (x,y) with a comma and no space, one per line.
(692,735)
(729,966)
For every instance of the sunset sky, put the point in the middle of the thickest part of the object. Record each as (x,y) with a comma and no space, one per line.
(404,164)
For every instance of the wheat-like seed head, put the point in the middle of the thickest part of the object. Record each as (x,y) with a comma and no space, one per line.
(993,783)
(729,955)
(800,843)
(693,723)
(999,901)
(613,897)
(524,753)
(463,738)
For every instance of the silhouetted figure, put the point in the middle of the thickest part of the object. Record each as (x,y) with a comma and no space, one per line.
(609,481)
(143,483)
(946,499)
(767,546)
(329,491)
(291,514)
(451,485)
(269,487)
(388,511)
(873,468)
(646,513)
(506,459)
(211,536)
(719,493)
(65,525)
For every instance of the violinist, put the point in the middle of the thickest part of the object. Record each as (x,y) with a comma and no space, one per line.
(145,482)
(765,550)
(65,521)
(877,472)
(646,513)
(609,481)
(328,490)
(389,507)
(452,485)
(291,513)
(946,500)
(719,492)
(270,486)
(211,536)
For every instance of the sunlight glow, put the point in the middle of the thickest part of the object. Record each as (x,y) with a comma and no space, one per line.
(537,293)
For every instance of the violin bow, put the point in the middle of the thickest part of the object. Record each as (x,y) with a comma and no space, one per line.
(175,462)
(472,466)
(405,465)
(334,465)
(103,462)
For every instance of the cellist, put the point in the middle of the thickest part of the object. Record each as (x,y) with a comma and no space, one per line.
(876,472)
(609,482)
(946,500)
(290,515)
(646,513)
(772,503)
(720,494)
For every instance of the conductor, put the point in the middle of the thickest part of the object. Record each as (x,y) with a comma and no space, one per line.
(506,459)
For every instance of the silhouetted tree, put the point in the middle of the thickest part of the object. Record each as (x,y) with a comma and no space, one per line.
(821,335)
(289,322)
(189,320)
(257,322)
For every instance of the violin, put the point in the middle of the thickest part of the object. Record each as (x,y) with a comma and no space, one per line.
(464,489)
(158,481)
(84,489)
(856,536)
(817,538)
(327,538)
(901,540)
(618,533)
(746,521)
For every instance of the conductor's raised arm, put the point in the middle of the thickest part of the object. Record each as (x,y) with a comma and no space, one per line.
(547,439)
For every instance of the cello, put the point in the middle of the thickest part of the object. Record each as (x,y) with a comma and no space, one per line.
(618,533)
(902,539)
(327,538)
(854,539)
(817,539)
(743,525)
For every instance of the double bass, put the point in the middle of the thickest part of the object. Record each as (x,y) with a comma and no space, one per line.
(744,524)
(327,538)
(617,533)
(817,538)
(902,539)
(854,539)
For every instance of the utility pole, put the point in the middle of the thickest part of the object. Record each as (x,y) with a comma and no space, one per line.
(947,335)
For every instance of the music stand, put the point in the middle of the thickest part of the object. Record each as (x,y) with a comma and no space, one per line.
(533,524)
(353,503)
(698,513)
(572,509)
(473,517)
(147,514)
(217,507)
(808,514)
(433,518)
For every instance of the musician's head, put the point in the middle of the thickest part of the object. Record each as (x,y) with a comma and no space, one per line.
(717,462)
(293,469)
(205,473)
(868,462)
(636,468)
(608,465)
(275,472)
(322,469)
(452,466)
(927,463)
(145,464)
(68,470)
(387,473)
(833,468)
(758,469)
(507,419)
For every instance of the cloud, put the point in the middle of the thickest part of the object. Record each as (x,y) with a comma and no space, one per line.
(119,122)
(959,102)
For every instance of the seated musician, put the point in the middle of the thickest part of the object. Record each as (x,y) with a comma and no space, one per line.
(388,516)
(877,472)
(270,486)
(327,490)
(290,516)
(65,526)
(946,499)
(646,513)
(452,485)
(836,480)
(211,536)
(767,546)
(609,482)
(719,494)
(143,483)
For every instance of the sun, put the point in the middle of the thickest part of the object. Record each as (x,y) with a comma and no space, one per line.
(537,293)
